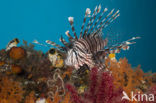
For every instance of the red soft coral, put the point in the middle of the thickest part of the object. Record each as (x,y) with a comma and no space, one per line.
(105,88)
(101,90)
(74,95)
(91,94)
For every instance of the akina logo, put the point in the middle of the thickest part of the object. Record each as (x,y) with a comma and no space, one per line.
(138,97)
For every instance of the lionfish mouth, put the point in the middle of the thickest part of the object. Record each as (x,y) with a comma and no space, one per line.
(90,48)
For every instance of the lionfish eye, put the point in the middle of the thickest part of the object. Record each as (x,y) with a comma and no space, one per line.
(52,51)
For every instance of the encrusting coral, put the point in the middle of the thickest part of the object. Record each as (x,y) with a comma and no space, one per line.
(17,53)
(10,91)
(15,69)
(30,98)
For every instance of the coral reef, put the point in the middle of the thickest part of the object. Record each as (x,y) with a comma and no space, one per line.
(101,90)
(17,53)
(15,69)
(27,76)
(30,98)
(10,91)
(128,78)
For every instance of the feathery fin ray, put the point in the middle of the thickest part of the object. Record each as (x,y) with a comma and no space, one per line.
(63,42)
(88,11)
(97,21)
(92,20)
(53,44)
(71,21)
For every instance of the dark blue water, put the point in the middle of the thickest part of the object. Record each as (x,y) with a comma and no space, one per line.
(47,19)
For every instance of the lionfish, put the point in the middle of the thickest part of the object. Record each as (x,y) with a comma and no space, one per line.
(90,48)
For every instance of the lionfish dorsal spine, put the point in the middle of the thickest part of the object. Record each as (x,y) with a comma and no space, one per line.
(107,20)
(88,25)
(70,38)
(103,21)
(71,21)
(96,11)
(88,11)
(111,19)
(63,41)
(97,21)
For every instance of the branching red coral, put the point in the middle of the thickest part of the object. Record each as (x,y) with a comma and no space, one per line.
(74,95)
(91,94)
(101,90)
(105,88)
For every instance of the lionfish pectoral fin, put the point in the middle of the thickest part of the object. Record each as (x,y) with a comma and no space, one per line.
(37,42)
(55,45)
(124,45)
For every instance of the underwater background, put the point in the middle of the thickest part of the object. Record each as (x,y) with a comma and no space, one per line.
(82,70)
(47,19)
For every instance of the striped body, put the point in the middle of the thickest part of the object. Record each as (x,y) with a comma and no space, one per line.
(77,58)
(83,51)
